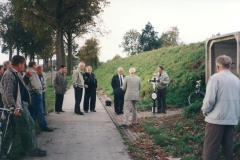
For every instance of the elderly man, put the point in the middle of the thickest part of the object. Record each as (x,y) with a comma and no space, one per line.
(35,89)
(60,87)
(90,84)
(78,84)
(6,64)
(117,81)
(221,107)
(43,79)
(162,83)
(15,94)
(131,86)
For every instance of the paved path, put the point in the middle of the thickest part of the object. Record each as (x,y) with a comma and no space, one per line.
(76,137)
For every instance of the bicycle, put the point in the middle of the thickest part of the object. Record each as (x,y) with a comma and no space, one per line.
(196,95)
(7,131)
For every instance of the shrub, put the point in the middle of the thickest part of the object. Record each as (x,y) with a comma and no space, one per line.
(192,109)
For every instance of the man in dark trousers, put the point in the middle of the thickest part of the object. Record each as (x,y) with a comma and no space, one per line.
(90,84)
(60,87)
(162,83)
(117,82)
(78,84)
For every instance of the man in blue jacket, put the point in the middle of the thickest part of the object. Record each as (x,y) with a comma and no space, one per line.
(221,107)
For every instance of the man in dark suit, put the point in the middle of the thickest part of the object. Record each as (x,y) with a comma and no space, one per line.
(117,82)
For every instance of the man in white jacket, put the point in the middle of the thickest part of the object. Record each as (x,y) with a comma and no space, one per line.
(221,107)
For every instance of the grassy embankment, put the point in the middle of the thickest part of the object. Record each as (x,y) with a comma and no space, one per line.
(178,135)
(184,65)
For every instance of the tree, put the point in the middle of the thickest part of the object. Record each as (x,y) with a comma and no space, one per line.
(89,53)
(117,56)
(149,38)
(170,37)
(56,15)
(130,42)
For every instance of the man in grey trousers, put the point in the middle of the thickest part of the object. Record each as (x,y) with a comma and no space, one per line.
(131,86)
(221,107)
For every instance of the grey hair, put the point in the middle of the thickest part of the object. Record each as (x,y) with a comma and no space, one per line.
(132,70)
(88,67)
(223,61)
(81,64)
(120,68)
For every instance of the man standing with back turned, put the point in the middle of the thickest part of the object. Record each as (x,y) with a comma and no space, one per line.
(117,82)
(221,107)
(131,85)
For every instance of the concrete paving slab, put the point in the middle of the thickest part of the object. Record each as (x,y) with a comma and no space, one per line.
(91,136)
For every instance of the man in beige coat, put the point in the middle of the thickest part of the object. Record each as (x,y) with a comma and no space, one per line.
(131,86)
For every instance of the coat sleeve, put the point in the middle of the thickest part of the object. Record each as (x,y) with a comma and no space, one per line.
(55,81)
(210,97)
(166,80)
(113,82)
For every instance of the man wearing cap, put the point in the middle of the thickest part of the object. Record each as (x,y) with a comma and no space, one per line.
(60,87)
(221,107)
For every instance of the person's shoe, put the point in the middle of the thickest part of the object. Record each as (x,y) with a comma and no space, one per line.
(120,112)
(47,129)
(62,111)
(57,112)
(37,153)
(123,126)
(164,112)
(85,111)
(80,113)
(93,110)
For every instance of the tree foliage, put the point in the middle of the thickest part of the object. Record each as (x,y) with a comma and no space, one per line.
(130,42)
(149,38)
(89,53)
(58,15)
(170,37)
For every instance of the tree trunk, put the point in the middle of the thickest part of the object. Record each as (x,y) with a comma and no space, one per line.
(10,52)
(69,44)
(58,49)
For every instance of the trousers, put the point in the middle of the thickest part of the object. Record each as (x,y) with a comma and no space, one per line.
(161,99)
(78,98)
(26,128)
(216,135)
(90,96)
(128,105)
(36,110)
(58,102)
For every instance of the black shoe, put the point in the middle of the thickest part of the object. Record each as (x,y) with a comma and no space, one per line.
(62,111)
(164,112)
(47,129)
(120,112)
(85,111)
(80,113)
(37,153)
(57,112)
(93,110)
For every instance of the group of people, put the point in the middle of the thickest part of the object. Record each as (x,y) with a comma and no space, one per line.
(80,80)
(22,89)
(126,90)
(25,90)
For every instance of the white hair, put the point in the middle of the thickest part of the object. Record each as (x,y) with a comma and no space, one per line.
(120,68)
(88,67)
(132,70)
(81,64)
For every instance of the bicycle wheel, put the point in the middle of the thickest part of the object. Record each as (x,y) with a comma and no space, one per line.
(9,136)
(193,97)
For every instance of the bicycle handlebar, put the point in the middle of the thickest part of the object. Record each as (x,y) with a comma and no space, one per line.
(10,109)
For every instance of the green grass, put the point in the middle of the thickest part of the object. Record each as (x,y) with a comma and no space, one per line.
(184,65)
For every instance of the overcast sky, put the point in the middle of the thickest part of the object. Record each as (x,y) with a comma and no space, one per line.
(196,20)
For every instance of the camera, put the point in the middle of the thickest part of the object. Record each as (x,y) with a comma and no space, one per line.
(152,80)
